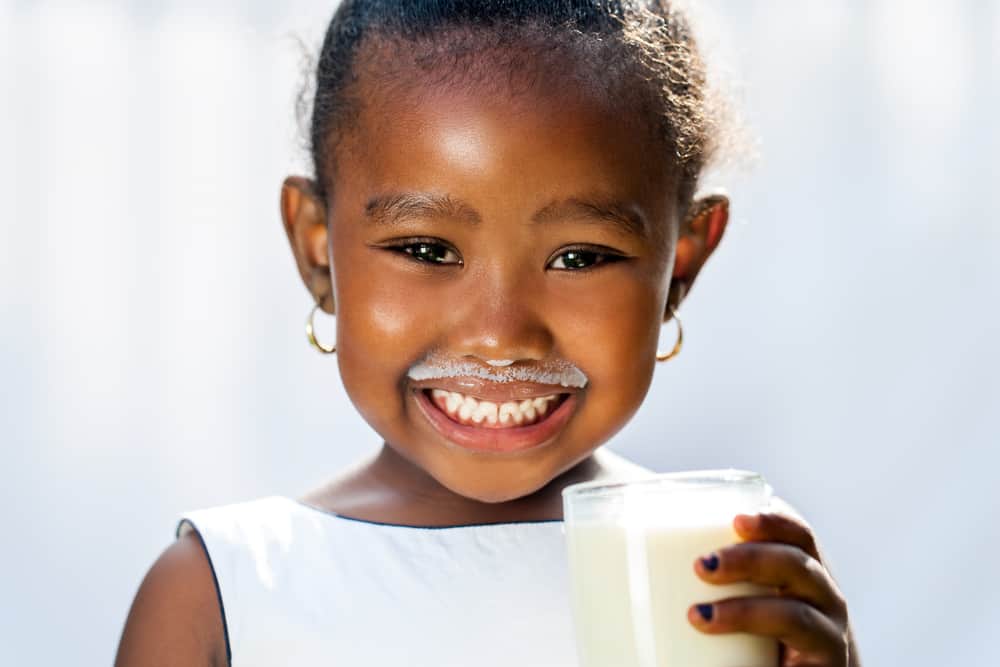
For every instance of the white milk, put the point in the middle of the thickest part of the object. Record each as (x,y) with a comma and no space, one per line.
(642,621)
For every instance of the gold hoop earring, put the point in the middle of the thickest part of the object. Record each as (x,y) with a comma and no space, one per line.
(680,340)
(311,334)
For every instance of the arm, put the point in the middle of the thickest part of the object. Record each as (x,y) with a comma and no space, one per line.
(175,618)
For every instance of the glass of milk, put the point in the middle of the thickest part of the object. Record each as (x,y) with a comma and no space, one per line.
(632,549)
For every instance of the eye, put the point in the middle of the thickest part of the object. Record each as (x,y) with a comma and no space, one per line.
(428,251)
(581,259)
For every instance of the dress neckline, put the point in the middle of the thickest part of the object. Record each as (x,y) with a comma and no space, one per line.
(385,524)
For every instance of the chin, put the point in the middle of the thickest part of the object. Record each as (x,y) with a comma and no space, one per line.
(501,492)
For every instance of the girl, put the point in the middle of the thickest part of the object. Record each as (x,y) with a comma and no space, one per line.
(501,218)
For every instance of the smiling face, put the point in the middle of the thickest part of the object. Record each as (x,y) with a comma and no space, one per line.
(504,239)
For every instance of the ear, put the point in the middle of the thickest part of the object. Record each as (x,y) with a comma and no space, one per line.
(700,235)
(304,216)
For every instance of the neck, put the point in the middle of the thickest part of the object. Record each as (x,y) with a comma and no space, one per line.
(418,498)
(389,488)
(417,489)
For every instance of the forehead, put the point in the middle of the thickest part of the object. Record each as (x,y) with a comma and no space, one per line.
(515,137)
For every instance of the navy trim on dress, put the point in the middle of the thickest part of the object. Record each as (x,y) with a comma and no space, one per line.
(400,525)
(215,580)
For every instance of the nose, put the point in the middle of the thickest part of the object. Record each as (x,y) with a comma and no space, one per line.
(499,318)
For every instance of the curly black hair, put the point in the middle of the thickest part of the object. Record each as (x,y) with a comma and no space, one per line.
(645,43)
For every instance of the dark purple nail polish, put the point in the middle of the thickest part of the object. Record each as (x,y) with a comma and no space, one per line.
(710,563)
(705,611)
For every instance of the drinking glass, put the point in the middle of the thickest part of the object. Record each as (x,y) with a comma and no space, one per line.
(632,548)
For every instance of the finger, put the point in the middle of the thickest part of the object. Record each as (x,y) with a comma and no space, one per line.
(796,624)
(788,568)
(771,527)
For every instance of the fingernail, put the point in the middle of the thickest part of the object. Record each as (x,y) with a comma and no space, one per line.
(705,611)
(710,562)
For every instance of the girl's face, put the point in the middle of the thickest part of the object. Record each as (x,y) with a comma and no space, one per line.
(468,226)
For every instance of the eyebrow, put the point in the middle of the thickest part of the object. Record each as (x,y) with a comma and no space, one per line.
(619,216)
(394,209)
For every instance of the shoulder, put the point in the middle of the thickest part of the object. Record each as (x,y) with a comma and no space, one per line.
(613,466)
(176,618)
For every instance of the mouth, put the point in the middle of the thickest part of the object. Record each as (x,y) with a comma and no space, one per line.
(471,411)
(487,426)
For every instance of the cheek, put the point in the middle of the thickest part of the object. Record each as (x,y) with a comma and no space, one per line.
(381,332)
(612,334)
(613,322)
(373,308)
(387,312)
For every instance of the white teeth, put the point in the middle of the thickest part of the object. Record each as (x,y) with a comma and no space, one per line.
(467,407)
(486,411)
(472,410)
(509,412)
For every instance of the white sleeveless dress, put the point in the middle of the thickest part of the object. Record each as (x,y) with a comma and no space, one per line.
(300,586)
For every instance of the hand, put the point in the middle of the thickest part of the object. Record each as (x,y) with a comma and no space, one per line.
(807,613)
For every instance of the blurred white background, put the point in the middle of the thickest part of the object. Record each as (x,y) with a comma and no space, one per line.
(843,341)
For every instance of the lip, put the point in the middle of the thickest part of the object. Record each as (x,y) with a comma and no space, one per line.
(497,392)
(497,440)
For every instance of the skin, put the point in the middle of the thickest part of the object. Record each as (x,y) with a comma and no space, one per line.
(499,295)
(504,162)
